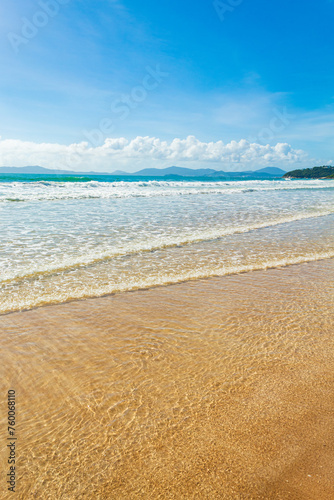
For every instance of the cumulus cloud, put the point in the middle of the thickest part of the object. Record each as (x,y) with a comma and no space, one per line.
(148,151)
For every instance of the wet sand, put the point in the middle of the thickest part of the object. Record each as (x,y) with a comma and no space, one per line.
(219,388)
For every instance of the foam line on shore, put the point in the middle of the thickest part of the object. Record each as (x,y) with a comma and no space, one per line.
(26,304)
(156,244)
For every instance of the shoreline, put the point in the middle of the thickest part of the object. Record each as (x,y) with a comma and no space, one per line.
(213,388)
(173,283)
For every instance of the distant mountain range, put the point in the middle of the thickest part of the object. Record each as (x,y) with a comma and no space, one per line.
(267,172)
(43,171)
(206,172)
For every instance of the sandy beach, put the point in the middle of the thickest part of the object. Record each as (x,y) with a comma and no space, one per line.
(167,250)
(216,388)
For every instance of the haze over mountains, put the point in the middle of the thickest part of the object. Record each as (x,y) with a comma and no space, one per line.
(267,172)
(205,172)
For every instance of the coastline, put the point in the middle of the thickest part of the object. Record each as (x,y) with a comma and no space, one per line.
(215,388)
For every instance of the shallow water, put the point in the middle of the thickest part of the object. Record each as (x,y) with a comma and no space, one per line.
(216,388)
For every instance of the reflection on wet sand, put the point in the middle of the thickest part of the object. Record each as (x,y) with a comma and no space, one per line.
(218,388)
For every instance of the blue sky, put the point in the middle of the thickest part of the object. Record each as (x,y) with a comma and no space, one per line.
(74,76)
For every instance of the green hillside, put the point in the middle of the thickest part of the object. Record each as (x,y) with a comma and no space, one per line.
(324,172)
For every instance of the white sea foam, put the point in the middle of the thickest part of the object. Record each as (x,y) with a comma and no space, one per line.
(19,302)
(51,190)
(89,257)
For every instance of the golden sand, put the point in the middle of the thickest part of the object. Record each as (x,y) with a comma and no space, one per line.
(212,389)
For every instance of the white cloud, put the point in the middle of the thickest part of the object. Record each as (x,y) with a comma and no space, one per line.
(149,151)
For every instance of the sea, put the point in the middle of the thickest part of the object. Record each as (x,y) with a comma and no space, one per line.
(65,238)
